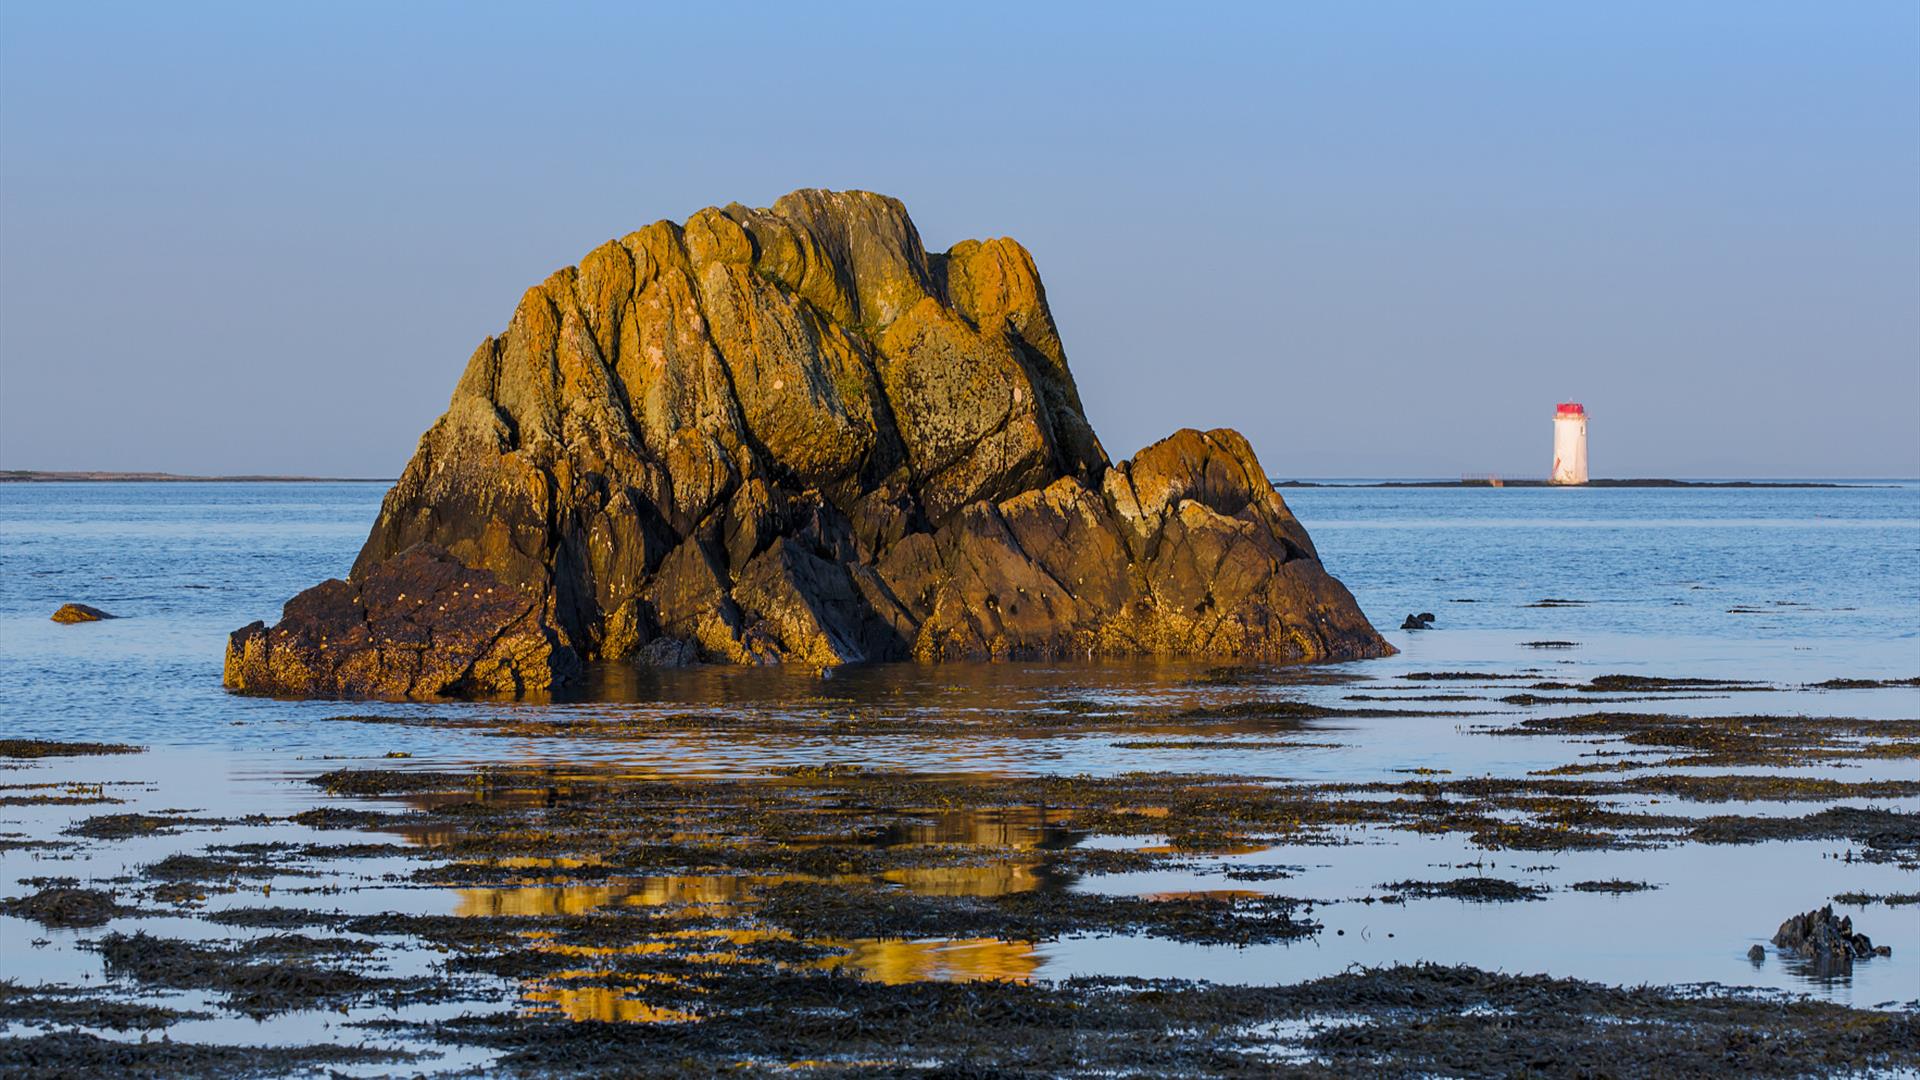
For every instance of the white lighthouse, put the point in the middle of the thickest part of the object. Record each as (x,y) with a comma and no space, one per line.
(1569,444)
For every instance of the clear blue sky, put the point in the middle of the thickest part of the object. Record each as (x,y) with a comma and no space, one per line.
(1381,239)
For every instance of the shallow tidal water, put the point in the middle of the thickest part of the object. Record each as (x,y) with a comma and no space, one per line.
(1779,588)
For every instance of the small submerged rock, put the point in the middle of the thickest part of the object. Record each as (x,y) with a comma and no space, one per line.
(1422,621)
(1826,940)
(79,613)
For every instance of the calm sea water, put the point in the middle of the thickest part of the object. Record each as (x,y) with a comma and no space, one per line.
(1824,580)
(1790,586)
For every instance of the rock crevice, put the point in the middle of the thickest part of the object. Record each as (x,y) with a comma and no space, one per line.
(792,435)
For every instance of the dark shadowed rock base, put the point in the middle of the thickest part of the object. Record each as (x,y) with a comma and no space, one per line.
(419,624)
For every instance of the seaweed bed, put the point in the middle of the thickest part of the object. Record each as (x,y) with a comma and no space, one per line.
(41,748)
(259,976)
(617,921)
(64,906)
(62,1054)
(1400,1021)
(1480,889)
(1418,1020)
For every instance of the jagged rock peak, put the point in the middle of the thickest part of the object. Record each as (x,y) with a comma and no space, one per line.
(791,434)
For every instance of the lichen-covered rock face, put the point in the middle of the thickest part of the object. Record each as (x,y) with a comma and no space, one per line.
(792,435)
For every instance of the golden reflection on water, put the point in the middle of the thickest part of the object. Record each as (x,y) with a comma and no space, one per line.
(887,961)
(1021,828)
(588,994)
(995,878)
(536,900)
(664,940)
(990,879)
(673,889)
(605,1003)
(881,960)
(547,862)
(699,888)
(960,960)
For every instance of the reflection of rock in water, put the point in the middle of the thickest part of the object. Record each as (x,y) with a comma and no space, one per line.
(894,962)
(536,900)
(991,879)
(604,1003)
(886,961)
(1019,827)
(637,892)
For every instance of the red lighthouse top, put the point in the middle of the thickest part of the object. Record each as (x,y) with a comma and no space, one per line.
(1570,408)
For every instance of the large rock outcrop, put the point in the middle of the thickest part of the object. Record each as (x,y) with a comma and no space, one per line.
(793,435)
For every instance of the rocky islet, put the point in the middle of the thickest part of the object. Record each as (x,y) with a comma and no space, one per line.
(792,435)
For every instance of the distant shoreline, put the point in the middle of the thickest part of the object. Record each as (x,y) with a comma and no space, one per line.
(38,476)
(48,476)
(1645,482)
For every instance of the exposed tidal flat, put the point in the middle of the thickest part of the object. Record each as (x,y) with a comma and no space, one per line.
(1648,726)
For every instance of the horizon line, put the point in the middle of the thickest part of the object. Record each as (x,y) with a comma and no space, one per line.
(42,476)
